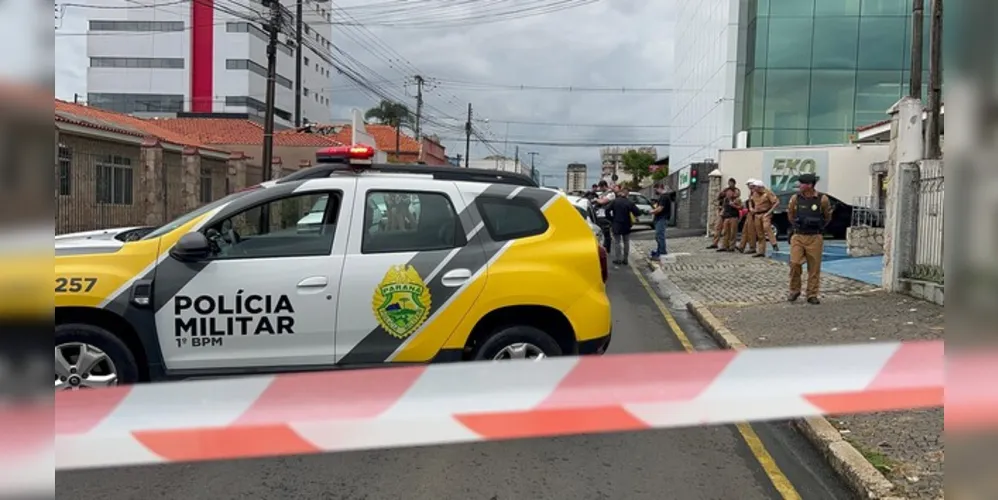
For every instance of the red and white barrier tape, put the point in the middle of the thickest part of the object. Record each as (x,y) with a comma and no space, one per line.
(420,405)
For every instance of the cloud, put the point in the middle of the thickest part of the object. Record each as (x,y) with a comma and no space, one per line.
(618,43)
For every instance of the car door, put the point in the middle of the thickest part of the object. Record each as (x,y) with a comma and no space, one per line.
(404,269)
(267,296)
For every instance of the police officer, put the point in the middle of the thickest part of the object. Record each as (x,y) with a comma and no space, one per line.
(603,198)
(764,202)
(809,212)
(748,227)
(722,198)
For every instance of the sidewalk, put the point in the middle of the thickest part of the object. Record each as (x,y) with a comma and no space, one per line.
(748,297)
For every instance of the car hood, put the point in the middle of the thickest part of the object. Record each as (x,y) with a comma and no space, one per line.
(99,234)
(84,246)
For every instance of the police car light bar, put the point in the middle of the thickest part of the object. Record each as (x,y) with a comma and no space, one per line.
(358,154)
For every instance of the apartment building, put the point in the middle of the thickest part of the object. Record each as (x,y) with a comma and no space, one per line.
(160,58)
(575,177)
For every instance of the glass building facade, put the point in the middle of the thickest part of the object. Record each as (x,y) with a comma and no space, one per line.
(816,69)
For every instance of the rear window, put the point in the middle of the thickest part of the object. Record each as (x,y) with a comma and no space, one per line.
(509,219)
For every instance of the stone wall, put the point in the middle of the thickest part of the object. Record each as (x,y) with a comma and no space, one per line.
(862,241)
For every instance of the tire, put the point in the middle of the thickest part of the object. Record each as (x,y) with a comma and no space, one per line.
(124,361)
(517,334)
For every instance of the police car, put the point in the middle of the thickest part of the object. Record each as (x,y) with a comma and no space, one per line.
(399,264)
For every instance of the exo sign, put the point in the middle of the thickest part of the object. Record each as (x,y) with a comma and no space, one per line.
(781,169)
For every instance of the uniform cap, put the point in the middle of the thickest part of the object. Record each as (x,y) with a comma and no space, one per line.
(751,182)
(808,179)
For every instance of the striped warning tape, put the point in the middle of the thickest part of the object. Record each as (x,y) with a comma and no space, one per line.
(419,405)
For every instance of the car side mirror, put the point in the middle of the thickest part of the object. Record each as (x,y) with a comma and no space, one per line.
(192,247)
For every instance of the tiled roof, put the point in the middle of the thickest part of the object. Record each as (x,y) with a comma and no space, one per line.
(384,137)
(864,128)
(235,131)
(110,121)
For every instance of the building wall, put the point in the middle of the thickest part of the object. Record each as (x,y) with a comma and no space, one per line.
(575,177)
(77,208)
(844,171)
(817,69)
(706,67)
(433,152)
(229,42)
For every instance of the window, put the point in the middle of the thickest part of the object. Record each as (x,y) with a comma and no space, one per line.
(296,226)
(145,26)
(206,185)
(137,103)
(243,27)
(305,58)
(136,62)
(790,42)
(508,219)
(876,91)
(756,93)
(787,98)
(114,180)
(837,8)
(396,221)
(835,42)
(888,7)
(792,8)
(880,47)
(305,91)
(832,99)
(65,160)
(246,64)
(255,105)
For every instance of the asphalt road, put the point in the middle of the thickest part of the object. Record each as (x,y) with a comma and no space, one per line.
(695,463)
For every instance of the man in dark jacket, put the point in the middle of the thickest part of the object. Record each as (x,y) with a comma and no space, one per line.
(620,212)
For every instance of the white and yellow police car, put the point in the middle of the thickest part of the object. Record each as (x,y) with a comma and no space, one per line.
(341,264)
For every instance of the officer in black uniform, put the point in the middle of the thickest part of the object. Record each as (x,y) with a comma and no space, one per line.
(809,212)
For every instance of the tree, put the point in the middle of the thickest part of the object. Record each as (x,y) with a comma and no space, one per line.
(638,164)
(394,114)
(659,172)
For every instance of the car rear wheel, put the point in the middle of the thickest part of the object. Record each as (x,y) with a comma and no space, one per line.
(518,342)
(89,357)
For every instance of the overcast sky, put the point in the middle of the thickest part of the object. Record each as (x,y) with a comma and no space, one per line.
(618,43)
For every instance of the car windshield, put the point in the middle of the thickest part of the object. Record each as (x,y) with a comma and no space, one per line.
(189,216)
(582,212)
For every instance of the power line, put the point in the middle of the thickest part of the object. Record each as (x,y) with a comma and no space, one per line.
(572,124)
(476,12)
(484,86)
(567,144)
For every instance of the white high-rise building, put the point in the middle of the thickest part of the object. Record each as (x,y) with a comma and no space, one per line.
(204,57)
(575,177)
(705,99)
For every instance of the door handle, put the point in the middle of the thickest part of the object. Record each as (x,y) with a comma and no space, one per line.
(455,277)
(313,282)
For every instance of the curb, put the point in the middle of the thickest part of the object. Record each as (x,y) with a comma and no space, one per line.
(861,477)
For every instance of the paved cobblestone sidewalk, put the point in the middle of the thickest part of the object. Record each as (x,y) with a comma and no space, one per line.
(748,295)
(714,278)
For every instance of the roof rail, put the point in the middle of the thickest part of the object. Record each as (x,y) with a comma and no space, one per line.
(324,170)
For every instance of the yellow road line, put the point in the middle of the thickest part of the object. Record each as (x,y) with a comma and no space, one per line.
(780,481)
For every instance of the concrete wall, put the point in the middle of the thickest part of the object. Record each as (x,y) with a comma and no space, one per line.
(844,170)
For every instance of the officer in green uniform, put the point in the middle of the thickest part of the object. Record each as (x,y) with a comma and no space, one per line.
(809,212)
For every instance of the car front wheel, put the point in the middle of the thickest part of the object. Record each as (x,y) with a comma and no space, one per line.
(90,357)
(518,342)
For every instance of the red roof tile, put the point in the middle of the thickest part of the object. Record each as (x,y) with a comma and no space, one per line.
(232,131)
(864,128)
(384,137)
(110,121)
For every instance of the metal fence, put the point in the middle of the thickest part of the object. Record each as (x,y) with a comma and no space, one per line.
(866,212)
(929,223)
(95,191)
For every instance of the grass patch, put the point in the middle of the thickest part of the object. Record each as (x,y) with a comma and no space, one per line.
(878,460)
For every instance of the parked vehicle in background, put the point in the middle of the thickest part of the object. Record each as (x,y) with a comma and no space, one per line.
(841,217)
(589,214)
(644,205)
(122,234)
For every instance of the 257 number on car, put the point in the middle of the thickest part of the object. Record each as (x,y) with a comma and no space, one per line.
(74,284)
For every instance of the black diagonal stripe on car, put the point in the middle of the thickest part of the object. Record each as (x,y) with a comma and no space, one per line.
(378,346)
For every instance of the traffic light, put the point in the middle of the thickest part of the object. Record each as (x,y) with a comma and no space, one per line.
(693,178)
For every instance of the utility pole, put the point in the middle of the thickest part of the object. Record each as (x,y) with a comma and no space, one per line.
(273,28)
(516,159)
(419,104)
(467,138)
(298,62)
(933,148)
(917,24)
(532,155)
